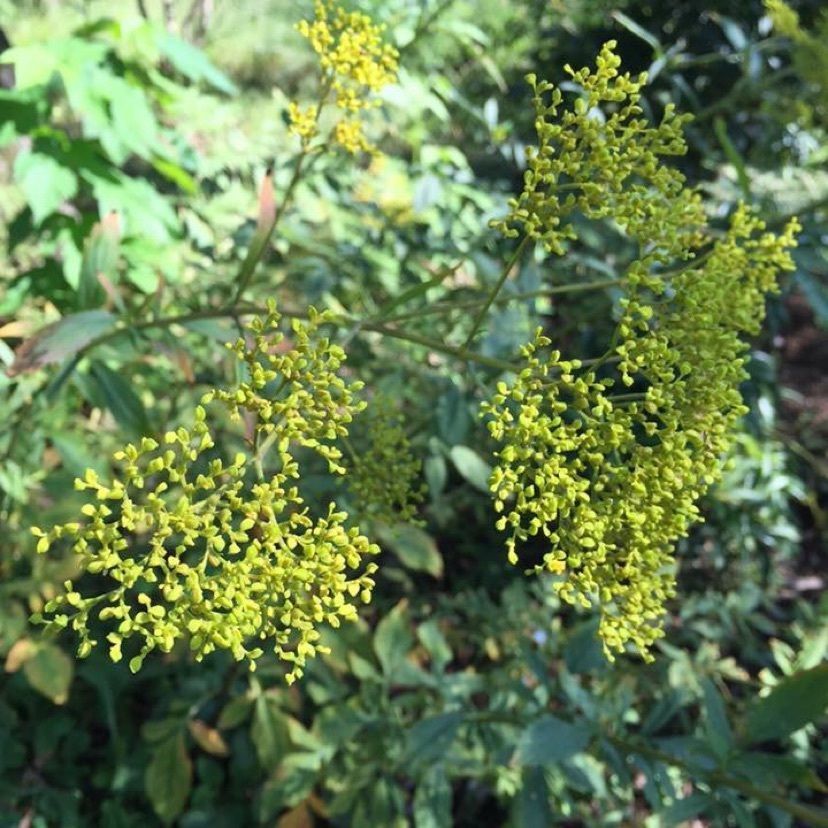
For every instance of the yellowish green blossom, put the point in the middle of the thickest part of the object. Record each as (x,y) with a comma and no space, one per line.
(612,480)
(190,545)
(383,473)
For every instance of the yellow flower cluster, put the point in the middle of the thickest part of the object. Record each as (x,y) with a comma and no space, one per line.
(355,62)
(303,122)
(612,482)
(602,164)
(192,546)
(382,476)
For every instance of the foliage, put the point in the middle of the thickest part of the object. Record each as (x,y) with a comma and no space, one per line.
(242,486)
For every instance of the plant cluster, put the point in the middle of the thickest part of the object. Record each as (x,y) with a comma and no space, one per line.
(613,481)
(355,64)
(204,549)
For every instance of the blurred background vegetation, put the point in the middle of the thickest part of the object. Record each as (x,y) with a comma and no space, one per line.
(133,137)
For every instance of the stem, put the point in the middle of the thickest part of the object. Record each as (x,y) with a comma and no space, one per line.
(481,315)
(256,253)
(811,816)
(258,248)
(447,307)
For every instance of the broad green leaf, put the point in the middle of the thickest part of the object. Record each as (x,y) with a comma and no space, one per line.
(118,396)
(796,701)
(269,731)
(168,778)
(393,639)
(432,799)
(550,740)
(472,467)
(414,547)
(193,63)
(429,740)
(133,119)
(50,671)
(46,184)
(61,339)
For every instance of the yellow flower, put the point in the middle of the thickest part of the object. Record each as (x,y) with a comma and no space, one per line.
(303,121)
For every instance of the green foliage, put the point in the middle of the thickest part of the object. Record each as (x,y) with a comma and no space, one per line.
(218,532)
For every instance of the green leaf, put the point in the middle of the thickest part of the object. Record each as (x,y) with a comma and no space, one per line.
(435,642)
(100,262)
(168,778)
(430,739)
(531,805)
(472,467)
(639,31)
(235,712)
(60,340)
(415,548)
(269,731)
(393,639)
(46,184)
(717,726)
(432,799)
(49,671)
(120,399)
(770,768)
(133,119)
(193,63)
(796,701)
(550,740)
(686,809)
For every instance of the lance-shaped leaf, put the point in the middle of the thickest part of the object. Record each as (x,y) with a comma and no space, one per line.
(100,262)
(264,228)
(60,340)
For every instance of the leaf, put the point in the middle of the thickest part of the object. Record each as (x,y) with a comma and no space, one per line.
(435,643)
(193,63)
(298,817)
(208,738)
(415,548)
(46,183)
(716,724)
(393,639)
(432,799)
(531,805)
(100,261)
(796,701)
(234,712)
(133,120)
(265,223)
(639,31)
(21,651)
(550,740)
(472,467)
(60,340)
(269,731)
(49,671)
(430,739)
(118,396)
(168,778)
(683,810)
